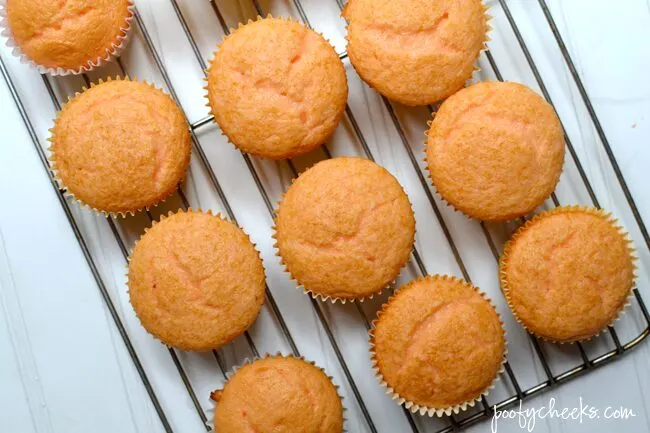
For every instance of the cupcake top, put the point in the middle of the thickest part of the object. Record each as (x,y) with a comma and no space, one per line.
(567,273)
(495,150)
(71,35)
(120,146)
(438,345)
(345,228)
(415,52)
(280,395)
(196,281)
(276,88)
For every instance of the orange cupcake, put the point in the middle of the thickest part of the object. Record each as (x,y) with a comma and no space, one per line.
(437,345)
(276,88)
(278,394)
(344,229)
(120,146)
(567,273)
(416,52)
(495,151)
(74,36)
(196,281)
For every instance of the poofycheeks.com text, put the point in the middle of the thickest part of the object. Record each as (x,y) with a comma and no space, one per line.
(526,418)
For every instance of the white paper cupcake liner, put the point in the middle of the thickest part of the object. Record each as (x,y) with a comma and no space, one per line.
(206,88)
(153,224)
(423,409)
(488,30)
(209,414)
(476,67)
(113,51)
(452,206)
(329,298)
(503,280)
(61,184)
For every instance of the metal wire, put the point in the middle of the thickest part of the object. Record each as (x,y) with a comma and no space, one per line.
(125,254)
(85,250)
(620,349)
(587,364)
(317,307)
(547,96)
(436,210)
(454,424)
(368,153)
(175,359)
(596,121)
(556,202)
(202,156)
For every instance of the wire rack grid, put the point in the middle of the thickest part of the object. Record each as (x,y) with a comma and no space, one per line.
(277,333)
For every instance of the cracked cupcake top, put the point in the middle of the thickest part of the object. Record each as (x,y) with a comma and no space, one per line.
(67,34)
(120,146)
(345,228)
(196,281)
(416,52)
(495,150)
(438,343)
(276,88)
(567,273)
(278,394)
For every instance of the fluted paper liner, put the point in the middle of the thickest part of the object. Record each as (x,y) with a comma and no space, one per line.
(423,409)
(163,217)
(325,297)
(489,28)
(433,115)
(111,52)
(210,64)
(61,183)
(450,205)
(213,404)
(503,278)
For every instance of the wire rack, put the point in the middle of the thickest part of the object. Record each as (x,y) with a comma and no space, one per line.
(516,392)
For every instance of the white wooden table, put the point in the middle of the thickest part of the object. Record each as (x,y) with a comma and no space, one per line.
(64,367)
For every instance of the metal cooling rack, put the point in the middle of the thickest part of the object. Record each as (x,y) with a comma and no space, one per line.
(453,423)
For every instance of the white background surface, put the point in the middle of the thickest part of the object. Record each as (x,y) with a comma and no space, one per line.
(65,368)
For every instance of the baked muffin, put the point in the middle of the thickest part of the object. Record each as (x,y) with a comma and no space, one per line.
(276,88)
(120,146)
(437,345)
(567,273)
(344,229)
(72,36)
(196,281)
(415,52)
(495,151)
(281,395)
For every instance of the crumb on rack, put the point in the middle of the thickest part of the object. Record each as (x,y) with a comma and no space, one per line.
(216,395)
